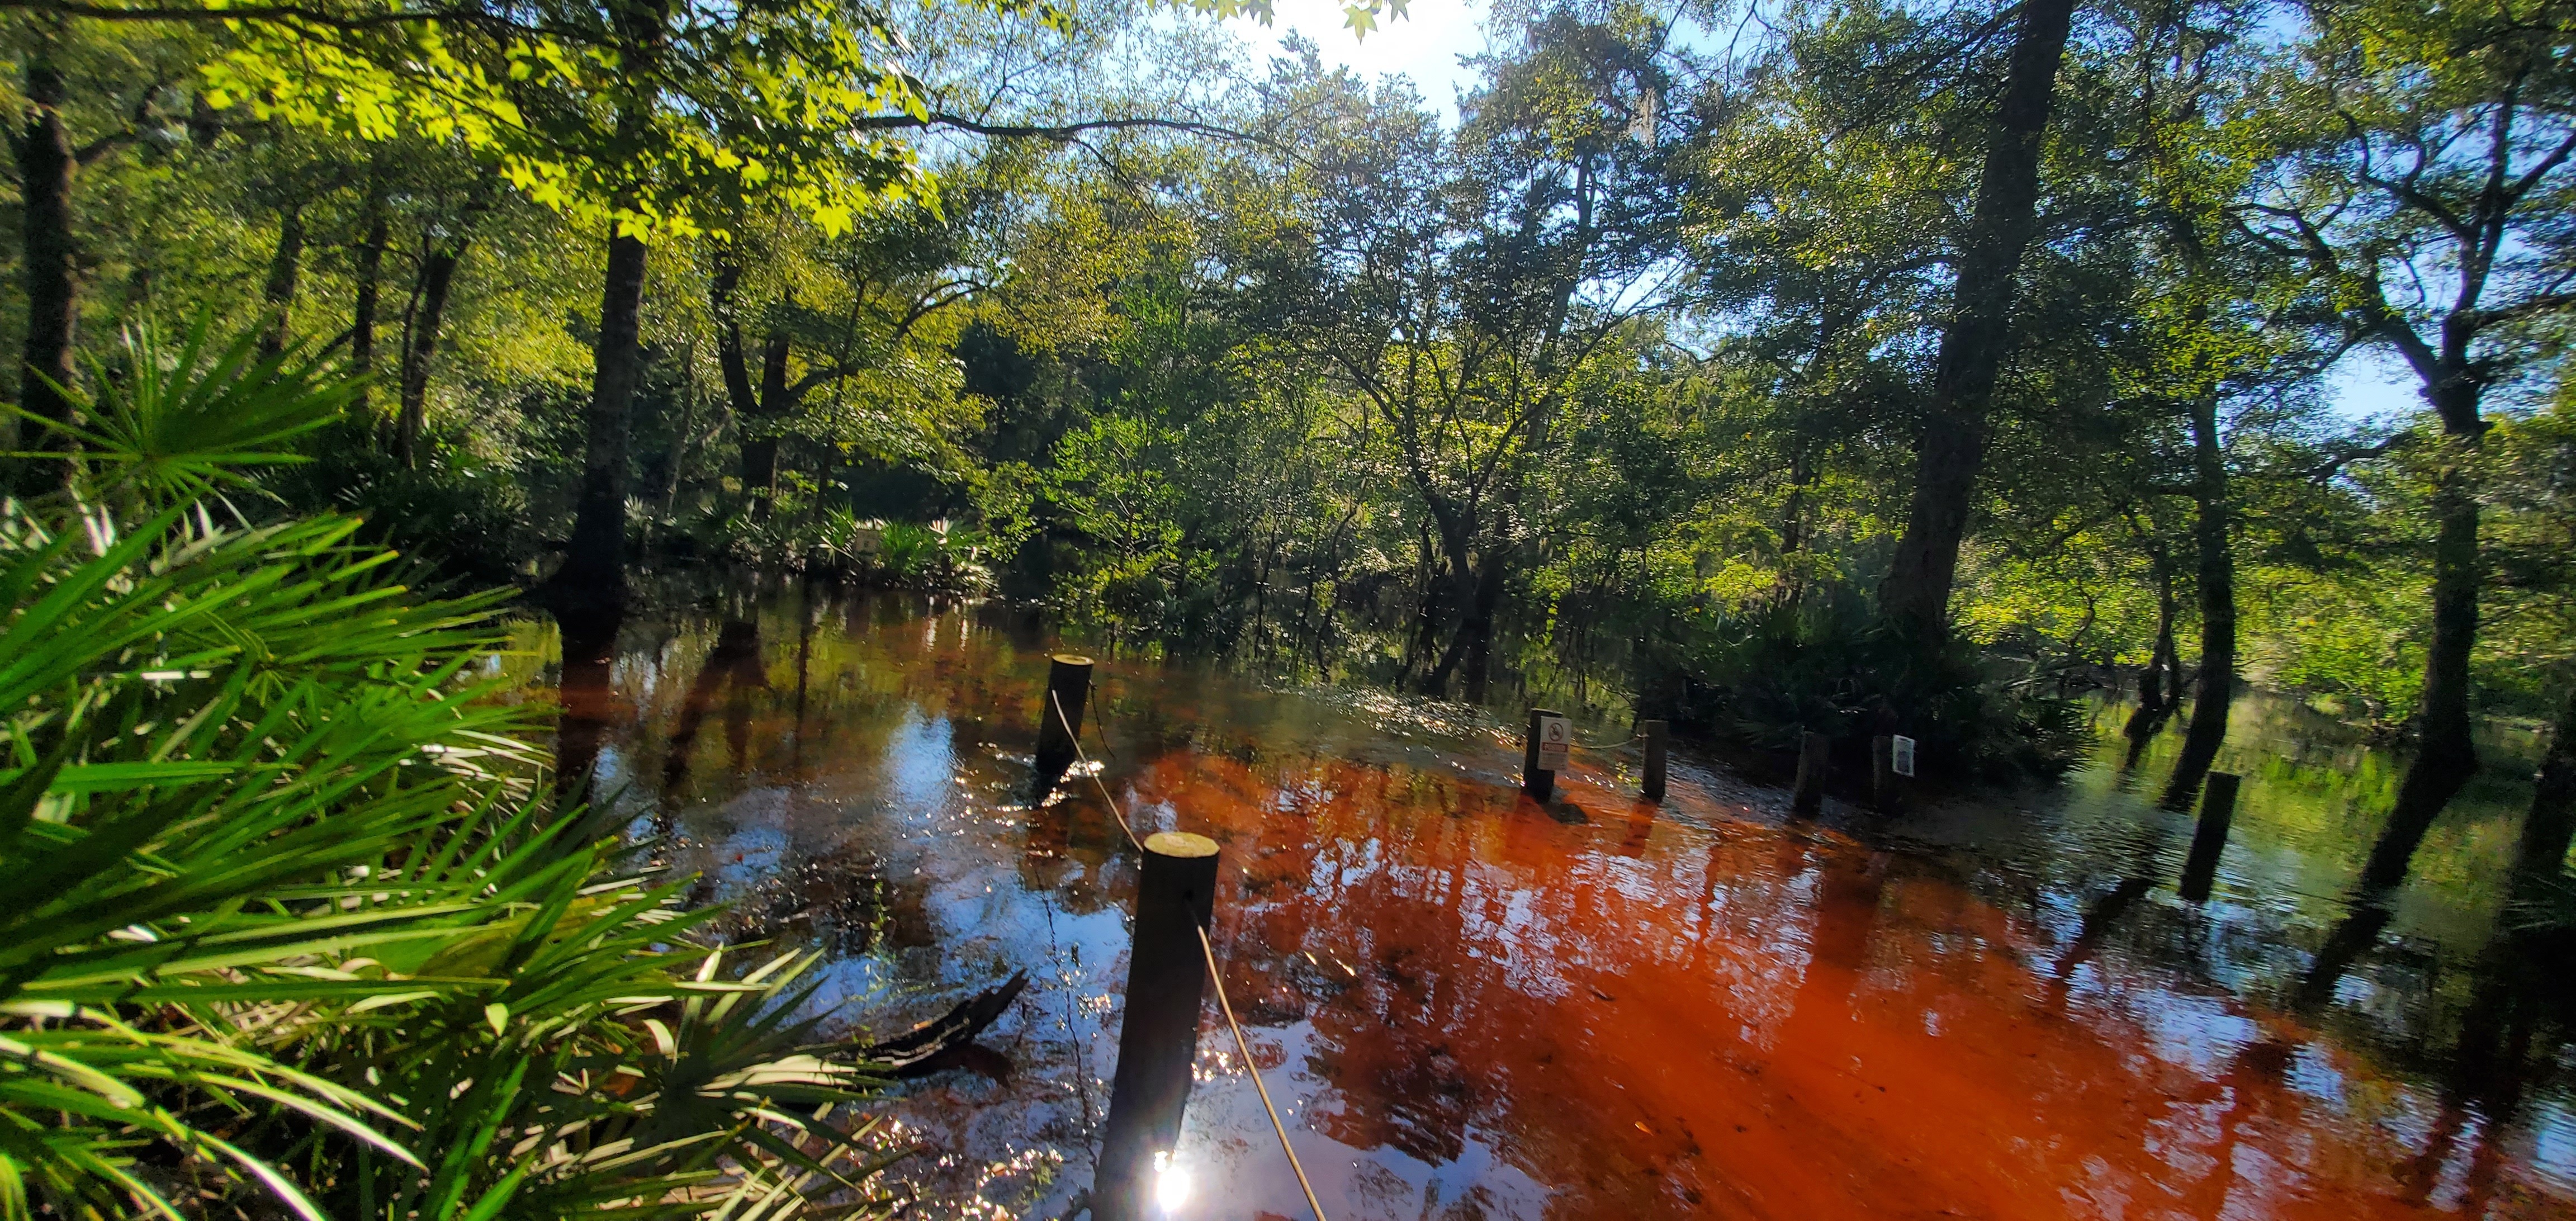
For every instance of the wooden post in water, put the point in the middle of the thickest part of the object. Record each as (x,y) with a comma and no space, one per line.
(1882,773)
(1809,796)
(1654,732)
(1068,689)
(1158,1036)
(1539,782)
(2217,813)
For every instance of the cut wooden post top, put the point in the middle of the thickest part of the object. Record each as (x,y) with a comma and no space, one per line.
(1069,659)
(1179,843)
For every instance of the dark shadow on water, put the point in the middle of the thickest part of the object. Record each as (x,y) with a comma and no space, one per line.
(2351,938)
(733,663)
(588,712)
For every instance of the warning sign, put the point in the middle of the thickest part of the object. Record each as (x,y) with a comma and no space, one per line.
(1901,756)
(1555,737)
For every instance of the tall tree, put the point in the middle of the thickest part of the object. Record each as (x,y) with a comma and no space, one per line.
(2426,188)
(442,251)
(45,165)
(367,271)
(1951,448)
(639,117)
(1459,284)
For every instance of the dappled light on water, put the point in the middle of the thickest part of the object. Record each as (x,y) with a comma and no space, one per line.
(1467,1004)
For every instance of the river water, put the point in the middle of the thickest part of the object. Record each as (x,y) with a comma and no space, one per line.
(1467,1005)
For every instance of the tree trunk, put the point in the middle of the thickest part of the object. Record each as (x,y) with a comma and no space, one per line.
(593,577)
(721,289)
(2158,688)
(45,175)
(2215,688)
(283,269)
(370,269)
(1479,627)
(1952,446)
(1426,611)
(420,344)
(2446,757)
(760,436)
(755,408)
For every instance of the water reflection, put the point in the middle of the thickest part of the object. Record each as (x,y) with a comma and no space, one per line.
(1470,1005)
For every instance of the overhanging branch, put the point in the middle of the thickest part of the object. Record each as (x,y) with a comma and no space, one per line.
(1061,132)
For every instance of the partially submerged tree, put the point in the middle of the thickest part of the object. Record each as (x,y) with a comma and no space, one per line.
(2428,176)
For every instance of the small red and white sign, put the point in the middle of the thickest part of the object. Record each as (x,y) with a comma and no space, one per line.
(1555,738)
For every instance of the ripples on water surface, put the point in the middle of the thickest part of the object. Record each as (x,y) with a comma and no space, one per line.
(1470,1006)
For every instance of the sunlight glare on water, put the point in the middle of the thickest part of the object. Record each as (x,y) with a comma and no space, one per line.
(1171,1183)
(1466,1004)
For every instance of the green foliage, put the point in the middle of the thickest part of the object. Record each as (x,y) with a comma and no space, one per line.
(1825,664)
(287,910)
(1570,394)
(1107,487)
(653,118)
(167,423)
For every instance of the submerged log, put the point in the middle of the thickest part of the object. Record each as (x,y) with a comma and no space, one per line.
(944,1042)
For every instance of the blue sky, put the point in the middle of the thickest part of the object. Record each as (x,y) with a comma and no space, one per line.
(1426,43)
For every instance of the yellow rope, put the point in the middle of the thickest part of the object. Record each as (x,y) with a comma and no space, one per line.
(1207,951)
(1119,814)
(1245,1046)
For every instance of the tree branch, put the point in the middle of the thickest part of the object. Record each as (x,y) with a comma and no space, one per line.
(1062,133)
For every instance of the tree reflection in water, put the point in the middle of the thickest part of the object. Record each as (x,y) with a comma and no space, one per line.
(1470,1005)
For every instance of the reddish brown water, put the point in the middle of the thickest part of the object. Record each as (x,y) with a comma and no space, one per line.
(1469,1005)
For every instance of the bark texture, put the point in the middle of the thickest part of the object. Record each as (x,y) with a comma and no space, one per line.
(757,408)
(284,269)
(2446,757)
(45,165)
(370,276)
(593,577)
(1952,447)
(2214,689)
(420,344)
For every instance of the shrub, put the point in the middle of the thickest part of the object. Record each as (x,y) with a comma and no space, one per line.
(1824,663)
(285,911)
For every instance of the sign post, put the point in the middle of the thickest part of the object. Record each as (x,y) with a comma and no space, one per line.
(1891,758)
(1654,732)
(1555,740)
(1543,752)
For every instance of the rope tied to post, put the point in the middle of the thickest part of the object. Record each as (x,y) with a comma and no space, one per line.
(1112,802)
(1207,951)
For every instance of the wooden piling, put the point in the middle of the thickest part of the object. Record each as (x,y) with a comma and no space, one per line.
(1883,794)
(1538,782)
(1654,732)
(2209,838)
(1809,796)
(1068,687)
(1158,1033)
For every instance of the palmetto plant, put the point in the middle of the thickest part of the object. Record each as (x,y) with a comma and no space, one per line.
(284,915)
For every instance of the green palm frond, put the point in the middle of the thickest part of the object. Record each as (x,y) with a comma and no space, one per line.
(285,911)
(168,423)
